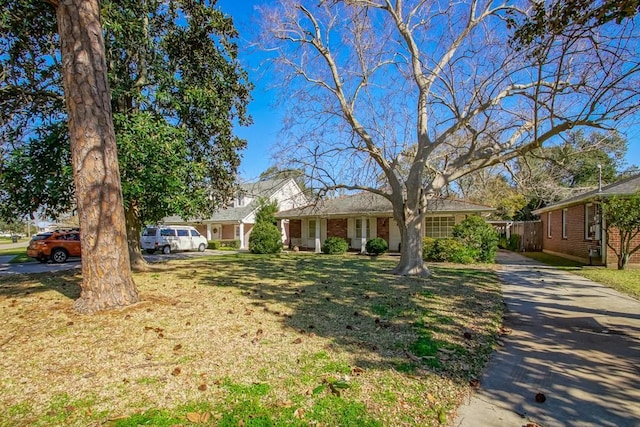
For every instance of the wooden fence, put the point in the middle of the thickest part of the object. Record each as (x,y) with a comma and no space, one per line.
(530,233)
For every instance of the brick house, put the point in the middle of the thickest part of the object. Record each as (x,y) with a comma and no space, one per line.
(363,216)
(574,228)
(236,220)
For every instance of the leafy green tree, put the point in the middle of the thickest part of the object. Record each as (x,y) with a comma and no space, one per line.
(491,187)
(622,218)
(575,165)
(266,212)
(265,237)
(177,90)
(547,19)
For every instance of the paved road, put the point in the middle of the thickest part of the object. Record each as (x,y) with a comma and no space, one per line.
(574,341)
(36,267)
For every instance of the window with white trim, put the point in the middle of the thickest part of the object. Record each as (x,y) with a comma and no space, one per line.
(549,224)
(359,228)
(312,228)
(564,223)
(439,226)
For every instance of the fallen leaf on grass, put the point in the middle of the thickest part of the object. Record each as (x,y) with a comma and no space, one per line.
(198,417)
(357,370)
(298,413)
(431,399)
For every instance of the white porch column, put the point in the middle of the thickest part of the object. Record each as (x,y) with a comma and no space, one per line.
(242,245)
(318,246)
(209,231)
(363,243)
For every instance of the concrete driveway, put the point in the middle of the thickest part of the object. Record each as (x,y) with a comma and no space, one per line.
(572,359)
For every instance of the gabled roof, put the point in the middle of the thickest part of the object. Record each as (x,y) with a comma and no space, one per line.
(254,190)
(625,187)
(369,203)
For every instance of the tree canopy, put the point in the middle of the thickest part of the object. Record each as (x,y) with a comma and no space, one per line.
(177,91)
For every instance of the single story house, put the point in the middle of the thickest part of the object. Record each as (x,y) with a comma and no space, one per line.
(363,216)
(237,219)
(574,228)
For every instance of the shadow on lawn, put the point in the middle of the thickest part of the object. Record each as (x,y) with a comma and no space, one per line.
(66,283)
(383,319)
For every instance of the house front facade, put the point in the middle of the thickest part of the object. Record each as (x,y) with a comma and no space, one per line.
(364,216)
(236,221)
(575,228)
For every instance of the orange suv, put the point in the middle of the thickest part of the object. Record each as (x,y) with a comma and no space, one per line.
(56,246)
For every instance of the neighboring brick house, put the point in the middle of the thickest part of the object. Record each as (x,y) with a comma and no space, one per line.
(236,220)
(574,228)
(363,216)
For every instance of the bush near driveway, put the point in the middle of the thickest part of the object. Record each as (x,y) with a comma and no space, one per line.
(479,237)
(473,240)
(295,339)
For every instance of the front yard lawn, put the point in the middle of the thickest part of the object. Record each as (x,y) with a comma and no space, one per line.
(293,339)
(625,281)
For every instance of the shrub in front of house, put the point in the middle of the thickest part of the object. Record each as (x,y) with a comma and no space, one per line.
(231,244)
(334,246)
(449,249)
(265,238)
(428,244)
(479,237)
(376,246)
(214,244)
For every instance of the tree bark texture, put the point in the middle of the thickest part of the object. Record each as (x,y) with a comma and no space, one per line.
(107,282)
(410,223)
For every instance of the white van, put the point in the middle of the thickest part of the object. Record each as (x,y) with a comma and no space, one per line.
(170,238)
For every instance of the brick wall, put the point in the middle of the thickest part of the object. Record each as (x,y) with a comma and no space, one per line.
(575,244)
(614,240)
(228,232)
(295,228)
(337,228)
(382,225)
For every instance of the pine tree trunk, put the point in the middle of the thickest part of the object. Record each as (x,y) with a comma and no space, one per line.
(106,272)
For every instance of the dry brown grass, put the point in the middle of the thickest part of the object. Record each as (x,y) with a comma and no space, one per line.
(290,322)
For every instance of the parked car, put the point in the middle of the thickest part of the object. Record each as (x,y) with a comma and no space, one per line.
(56,246)
(172,238)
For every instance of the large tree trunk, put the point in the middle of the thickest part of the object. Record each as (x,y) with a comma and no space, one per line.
(411,262)
(134,230)
(106,273)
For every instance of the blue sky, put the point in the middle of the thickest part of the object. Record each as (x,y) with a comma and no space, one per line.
(267,116)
